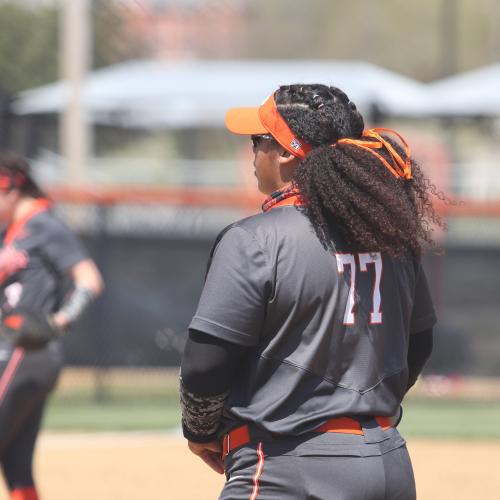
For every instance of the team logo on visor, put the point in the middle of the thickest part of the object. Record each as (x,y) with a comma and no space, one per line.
(295,144)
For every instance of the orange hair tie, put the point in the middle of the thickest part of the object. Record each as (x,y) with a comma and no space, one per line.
(399,167)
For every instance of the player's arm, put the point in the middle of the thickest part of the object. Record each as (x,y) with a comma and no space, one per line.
(419,351)
(227,323)
(208,368)
(422,321)
(230,314)
(31,329)
(87,285)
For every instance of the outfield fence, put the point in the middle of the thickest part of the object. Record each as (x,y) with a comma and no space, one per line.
(152,247)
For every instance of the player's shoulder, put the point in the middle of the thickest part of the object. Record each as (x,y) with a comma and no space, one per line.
(272,220)
(260,225)
(48,222)
(235,229)
(47,218)
(263,229)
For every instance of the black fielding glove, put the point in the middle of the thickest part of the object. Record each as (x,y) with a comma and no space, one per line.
(28,329)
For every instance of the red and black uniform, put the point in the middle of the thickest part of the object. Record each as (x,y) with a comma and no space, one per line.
(36,254)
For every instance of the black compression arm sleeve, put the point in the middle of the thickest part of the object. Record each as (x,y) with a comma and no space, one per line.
(209,364)
(207,371)
(419,350)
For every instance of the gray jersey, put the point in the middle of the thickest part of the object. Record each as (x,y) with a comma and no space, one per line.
(33,263)
(329,330)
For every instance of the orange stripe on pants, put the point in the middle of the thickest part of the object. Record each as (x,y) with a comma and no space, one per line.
(10,371)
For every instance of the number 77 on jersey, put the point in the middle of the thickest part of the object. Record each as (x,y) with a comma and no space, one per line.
(350,260)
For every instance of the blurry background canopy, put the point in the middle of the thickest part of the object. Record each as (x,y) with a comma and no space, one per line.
(153,93)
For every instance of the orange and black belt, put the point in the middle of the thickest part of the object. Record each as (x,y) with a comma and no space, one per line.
(343,425)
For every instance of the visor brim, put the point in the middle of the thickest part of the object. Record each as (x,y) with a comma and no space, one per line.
(244,121)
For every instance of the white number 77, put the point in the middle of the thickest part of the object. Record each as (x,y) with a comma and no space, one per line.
(347,259)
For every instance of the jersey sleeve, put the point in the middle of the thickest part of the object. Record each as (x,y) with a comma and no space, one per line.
(62,248)
(233,301)
(423,316)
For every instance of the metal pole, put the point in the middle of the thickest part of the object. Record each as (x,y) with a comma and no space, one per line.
(75,55)
(100,333)
(449,66)
(449,37)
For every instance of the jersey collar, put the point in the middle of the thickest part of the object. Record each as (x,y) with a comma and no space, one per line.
(288,196)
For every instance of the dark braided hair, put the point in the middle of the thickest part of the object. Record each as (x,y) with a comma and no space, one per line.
(348,191)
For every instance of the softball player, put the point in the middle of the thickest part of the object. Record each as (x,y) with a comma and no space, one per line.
(315,318)
(39,254)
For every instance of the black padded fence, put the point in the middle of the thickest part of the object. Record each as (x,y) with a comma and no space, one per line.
(154,273)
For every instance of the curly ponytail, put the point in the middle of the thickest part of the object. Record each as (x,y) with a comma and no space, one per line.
(348,190)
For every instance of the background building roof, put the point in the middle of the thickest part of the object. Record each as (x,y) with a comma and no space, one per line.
(474,93)
(155,94)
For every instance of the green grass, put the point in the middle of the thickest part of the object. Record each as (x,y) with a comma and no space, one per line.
(122,400)
(451,419)
(442,419)
(115,414)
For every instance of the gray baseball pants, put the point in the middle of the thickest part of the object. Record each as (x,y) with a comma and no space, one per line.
(322,466)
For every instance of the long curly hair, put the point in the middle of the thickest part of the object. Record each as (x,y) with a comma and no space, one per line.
(346,189)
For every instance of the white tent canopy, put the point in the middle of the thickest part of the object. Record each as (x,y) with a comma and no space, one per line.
(155,94)
(474,93)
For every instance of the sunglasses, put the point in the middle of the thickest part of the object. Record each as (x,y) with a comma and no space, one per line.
(257,139)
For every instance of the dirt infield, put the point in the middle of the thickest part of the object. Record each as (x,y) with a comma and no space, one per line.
(137,466)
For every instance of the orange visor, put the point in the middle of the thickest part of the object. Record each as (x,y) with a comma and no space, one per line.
(266,119)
